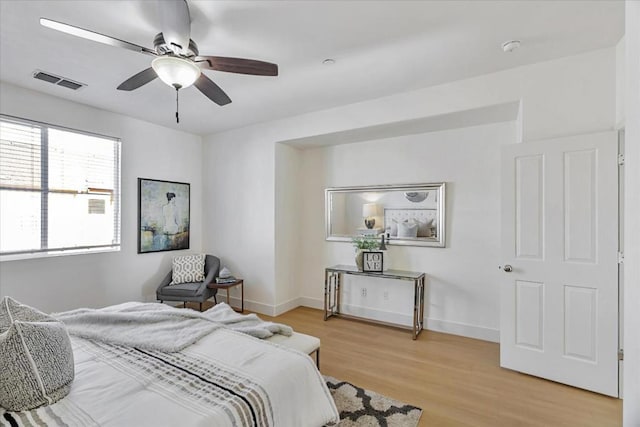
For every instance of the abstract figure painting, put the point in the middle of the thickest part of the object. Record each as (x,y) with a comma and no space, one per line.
(163,215)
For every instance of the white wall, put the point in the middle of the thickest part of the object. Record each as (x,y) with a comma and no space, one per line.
(567,96)
(239,215)
(288,220)
(462,279)
(631,405)
(148,151)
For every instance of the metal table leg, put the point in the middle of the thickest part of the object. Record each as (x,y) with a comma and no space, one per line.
(331,294)
(326,294)
(415,309)
(421,315)
(418,307)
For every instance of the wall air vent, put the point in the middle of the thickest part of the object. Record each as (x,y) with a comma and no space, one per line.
(57,80)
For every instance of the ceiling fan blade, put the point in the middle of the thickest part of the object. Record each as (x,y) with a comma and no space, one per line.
(140,79)
(238,65)
(212,90)
(175,24)
(92,35)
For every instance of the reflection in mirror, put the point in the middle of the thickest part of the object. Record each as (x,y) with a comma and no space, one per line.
(410,214)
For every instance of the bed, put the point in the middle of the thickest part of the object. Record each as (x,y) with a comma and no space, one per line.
(426,221)
(225,378)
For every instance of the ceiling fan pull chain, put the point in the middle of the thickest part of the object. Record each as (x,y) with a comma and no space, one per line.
(177,116)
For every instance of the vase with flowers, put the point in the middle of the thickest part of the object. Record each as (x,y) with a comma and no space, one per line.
(364,243)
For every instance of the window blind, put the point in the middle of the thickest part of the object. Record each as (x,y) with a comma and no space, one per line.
(59,189)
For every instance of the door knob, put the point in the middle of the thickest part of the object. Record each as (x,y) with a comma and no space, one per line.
(507,268)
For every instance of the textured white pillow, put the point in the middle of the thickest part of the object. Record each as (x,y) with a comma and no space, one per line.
(393,228)
(35,355)
(406,229)
(187,269)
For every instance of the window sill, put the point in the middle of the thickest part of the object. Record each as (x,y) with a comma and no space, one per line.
(67,252)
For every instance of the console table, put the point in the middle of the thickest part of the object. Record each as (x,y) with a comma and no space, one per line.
(333,279)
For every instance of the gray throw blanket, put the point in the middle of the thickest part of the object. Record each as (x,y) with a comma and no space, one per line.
(160,327)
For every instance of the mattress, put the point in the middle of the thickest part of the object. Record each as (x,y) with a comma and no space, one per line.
(225,379)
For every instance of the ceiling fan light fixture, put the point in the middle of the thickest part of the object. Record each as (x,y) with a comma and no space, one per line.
(176,72)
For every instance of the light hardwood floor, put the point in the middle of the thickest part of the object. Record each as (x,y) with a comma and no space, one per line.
(456,381)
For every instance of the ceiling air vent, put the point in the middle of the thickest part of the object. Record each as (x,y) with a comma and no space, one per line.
(57,80)
(69,84)
(46,77)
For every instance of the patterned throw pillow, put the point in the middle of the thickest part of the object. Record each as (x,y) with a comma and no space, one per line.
(187,269)
(35,355)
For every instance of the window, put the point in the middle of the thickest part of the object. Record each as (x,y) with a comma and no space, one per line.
(59,189)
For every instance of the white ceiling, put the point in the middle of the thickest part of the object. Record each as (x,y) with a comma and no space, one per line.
(380,48)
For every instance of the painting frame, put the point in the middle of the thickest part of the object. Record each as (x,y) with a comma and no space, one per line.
(164,215)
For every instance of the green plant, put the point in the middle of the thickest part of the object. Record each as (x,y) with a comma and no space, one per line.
(365,243)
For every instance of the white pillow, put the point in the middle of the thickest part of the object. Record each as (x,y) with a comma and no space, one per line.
(187,269)
(406,229)
(393,228)
(35,355)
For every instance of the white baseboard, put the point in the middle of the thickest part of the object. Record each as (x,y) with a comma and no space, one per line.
(312,303)
(380,315)
(287,306)
(261,308)
(438,325)
(256,307)
(463,329)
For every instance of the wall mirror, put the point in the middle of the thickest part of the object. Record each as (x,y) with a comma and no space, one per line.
(409,214)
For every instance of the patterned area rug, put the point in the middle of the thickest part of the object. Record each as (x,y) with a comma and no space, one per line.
(363,408)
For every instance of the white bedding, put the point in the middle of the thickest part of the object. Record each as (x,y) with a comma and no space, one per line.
(161,327)
(225,379)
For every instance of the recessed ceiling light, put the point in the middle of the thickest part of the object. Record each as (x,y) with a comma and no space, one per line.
(511,45)
(329,61)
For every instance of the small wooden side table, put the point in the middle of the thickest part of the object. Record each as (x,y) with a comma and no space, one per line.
(227,286)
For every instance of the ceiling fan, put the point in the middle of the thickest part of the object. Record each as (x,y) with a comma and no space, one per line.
(177,60)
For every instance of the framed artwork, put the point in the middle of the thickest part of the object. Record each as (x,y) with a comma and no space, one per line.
(163,215)
(372,261)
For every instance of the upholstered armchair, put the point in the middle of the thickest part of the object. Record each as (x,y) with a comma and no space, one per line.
(191,292)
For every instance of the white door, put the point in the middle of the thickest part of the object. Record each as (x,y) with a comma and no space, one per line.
(559,302)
